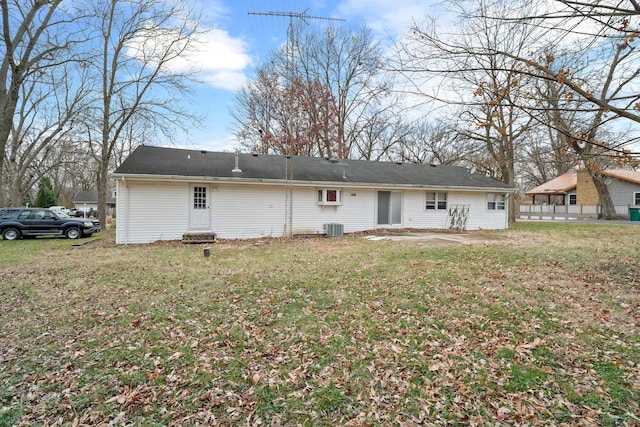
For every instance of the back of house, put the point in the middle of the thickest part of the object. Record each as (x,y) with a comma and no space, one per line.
(166,193)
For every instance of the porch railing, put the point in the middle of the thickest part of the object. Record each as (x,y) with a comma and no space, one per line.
(567,212)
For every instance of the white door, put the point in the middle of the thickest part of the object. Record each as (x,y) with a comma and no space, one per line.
(200,218)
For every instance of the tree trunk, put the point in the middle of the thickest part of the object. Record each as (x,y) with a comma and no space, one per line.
(514,206)
(608,209)
(103,170)
(9,102)
(15,191)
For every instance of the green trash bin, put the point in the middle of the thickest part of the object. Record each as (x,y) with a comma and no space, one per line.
(634,214)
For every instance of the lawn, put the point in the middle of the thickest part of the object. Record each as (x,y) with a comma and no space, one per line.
(538,325)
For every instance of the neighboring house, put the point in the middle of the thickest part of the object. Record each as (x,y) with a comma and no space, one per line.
(165,193)
(577,189)
(88,201)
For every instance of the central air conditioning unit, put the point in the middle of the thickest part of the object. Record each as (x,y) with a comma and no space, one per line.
(334,230)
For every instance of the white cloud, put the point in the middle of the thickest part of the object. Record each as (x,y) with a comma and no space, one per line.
(214,55)
(384,16)
(221,60)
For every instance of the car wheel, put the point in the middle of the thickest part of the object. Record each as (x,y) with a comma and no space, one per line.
(11,234)
(73,233)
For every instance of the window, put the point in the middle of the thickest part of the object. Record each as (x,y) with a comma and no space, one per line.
(199,197)
(573,199)
(436,201)
(48,215)
(495,202)
(636,199)
(7,213)
(329,196)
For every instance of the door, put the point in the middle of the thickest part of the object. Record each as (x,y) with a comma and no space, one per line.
(389,208)
(200,216)
(43,221)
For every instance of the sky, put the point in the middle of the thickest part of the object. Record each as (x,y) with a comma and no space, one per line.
(240,36)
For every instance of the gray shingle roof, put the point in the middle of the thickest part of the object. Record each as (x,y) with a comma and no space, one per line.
(91,197)
(172,162)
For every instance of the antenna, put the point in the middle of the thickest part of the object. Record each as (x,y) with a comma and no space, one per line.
(288,220)
(299,15)
(303,16)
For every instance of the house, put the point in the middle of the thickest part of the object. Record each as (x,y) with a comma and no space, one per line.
(574,192)
(165,193)
(86,201)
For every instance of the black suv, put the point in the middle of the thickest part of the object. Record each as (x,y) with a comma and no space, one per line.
(31,222)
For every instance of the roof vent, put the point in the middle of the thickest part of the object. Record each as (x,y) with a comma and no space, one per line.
(254,154)
(398,163)
(203,151)
(237,168)
(433,165)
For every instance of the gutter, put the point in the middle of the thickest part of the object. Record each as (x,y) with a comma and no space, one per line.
(283,182)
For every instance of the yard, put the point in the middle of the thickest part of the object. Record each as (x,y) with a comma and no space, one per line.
(536,325)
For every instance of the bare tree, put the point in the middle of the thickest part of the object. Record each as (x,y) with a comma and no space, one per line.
(50,100)
(434,142)
(591,84)
(601,15)
(71,169)
(351,64)
(296,118)
(135,83)
(600,32)
(487,91)
(380,134)
(341,73)
(254,109)
(32,41)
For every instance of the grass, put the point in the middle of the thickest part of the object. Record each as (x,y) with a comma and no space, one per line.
(538,325)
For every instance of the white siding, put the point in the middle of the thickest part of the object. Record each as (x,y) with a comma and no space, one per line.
(417,216)
(242,211)
(356,213)
(261,211)
(481,218)
(147,212)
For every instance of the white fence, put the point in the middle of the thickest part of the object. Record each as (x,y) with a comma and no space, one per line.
(569,212)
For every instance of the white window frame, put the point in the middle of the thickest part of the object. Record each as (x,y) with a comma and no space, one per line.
(437,202)
(575,199)
(199,197)
(496,202)
(325,197)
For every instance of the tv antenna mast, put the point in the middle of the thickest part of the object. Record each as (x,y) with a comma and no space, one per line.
(303,16)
